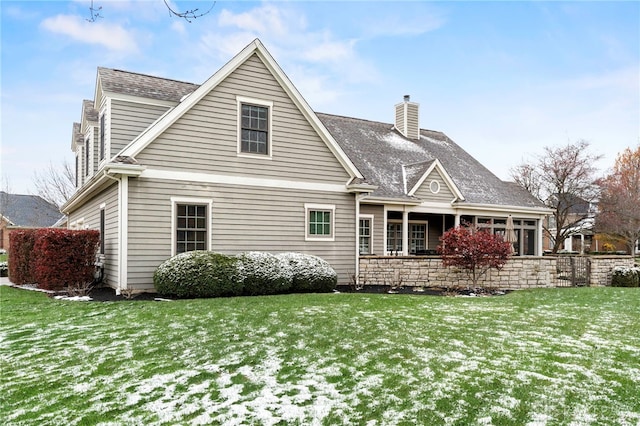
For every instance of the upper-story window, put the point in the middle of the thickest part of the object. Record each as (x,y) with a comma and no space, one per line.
(101,148)
(254,129)
(86,157)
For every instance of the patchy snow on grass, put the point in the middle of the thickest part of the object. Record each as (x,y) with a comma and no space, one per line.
(323,359)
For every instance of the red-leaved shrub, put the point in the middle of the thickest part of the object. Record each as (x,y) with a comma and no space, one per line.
(474,250)
(21,259)
(64,257)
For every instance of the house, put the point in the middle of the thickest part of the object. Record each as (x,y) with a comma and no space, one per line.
(18,211)
(241,162)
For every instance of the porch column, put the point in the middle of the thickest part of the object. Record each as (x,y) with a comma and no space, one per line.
(539,237)
(456,221)
(405,232)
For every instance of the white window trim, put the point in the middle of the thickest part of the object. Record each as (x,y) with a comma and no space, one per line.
(190,200)
(434,186)
(311,207)
(370,218)
(426,233)
(262,103)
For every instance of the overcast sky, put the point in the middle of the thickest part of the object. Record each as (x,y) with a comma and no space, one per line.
(502,79)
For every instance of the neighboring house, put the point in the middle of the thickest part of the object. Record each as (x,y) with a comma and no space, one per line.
(242,162)
(24,211)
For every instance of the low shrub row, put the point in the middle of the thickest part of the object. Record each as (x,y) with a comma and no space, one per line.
(625,277)
(52,258)
(209,274)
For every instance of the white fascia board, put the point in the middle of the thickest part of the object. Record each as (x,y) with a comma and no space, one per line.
(132,170)
(306,110)
(88,189)
(153,131)
(361,188)
(445,176)
(240,180)
(157,128)
(476,209)
(394,201)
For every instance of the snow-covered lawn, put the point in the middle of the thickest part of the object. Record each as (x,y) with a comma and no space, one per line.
(545,357)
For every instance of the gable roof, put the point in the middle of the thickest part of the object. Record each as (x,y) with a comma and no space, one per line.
(188,101)
(383,156)
(28,210)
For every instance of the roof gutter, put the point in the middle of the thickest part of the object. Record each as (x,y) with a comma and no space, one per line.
(111,171)
(504,208)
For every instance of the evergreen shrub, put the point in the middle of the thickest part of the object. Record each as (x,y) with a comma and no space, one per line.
(625,277)
(198,274)
(263,273)
(310,274)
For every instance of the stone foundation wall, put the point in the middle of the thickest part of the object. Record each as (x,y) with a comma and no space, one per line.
(518,273)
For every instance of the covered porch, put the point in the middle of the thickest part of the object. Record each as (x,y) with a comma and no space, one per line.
(402,230)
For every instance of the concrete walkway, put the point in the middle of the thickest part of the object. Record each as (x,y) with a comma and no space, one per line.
(5,281)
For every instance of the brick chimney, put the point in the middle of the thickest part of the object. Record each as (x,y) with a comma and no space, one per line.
(407,121)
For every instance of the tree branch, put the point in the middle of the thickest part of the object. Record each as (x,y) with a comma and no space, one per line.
(188,15)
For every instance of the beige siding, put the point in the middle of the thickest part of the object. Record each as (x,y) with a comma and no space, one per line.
(443,196)
(128,120)
(205,139)
(90,212)
(243,218)
(378,226)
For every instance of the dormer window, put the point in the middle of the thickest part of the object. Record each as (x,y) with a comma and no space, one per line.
(254,127)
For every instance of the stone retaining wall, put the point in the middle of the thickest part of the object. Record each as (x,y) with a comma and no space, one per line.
(519,272)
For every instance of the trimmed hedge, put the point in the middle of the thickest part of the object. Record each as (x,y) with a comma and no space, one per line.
(310,274)
(263,273)
(65,257)
(208,274)
(198,274)
(21,260)
(53,258)
(625,277)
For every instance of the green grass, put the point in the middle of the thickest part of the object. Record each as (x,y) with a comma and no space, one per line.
(555,357)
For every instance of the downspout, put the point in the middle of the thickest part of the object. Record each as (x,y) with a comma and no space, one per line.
(357,244)
(121,275)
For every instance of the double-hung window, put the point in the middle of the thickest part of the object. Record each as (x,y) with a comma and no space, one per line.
(364,234)
(86,157)
(320,222)
(102,147)
(191,227)
(254,127)
(102,229)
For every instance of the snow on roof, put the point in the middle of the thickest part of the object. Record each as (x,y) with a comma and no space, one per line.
(382,155)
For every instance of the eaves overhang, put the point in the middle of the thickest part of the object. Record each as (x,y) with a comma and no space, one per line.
(100,181)
(542,211)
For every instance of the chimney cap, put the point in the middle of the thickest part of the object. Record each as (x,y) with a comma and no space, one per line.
(407,98)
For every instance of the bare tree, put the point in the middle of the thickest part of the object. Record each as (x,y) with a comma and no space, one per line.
(56,184)
(619,204)
(563,178)
(187,15)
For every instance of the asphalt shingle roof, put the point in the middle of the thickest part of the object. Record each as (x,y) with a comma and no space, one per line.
(380,152)
(146,86)
(28,210)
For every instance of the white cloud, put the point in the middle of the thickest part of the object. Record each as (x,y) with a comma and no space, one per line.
(113,37)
